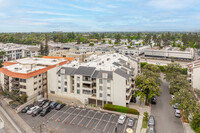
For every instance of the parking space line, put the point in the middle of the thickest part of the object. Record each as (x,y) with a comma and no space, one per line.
(99,120)
(84,117)
(107,123)
(124,131)
(63,113)
(76,116)
(69,115)
(52,116)
(91,118)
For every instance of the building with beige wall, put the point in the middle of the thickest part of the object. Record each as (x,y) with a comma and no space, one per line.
(194,74)
(108,78)
(29,75)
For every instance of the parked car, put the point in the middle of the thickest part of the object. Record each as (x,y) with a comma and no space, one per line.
(153,100)
(43,102)
(172,96)
(25,109)
(37,112)
(122,119)
(46,104)
(45,111)
(60,106)
(175,106)
(151,129)
(32,109)
(151,121)
(177,113)
(53,104)
(131,122)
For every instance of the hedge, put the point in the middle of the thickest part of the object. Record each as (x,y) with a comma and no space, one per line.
(120,109)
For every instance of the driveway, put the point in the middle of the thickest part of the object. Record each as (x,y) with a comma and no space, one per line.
(165,120)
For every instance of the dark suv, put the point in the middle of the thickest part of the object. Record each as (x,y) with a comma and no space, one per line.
(45,111)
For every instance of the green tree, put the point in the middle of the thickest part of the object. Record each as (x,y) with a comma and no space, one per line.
(117,39)
(196,122)
(152,74)
(152,68)
(172,71)
(185,101)
(91,44)
(110,42)
(41,49)
(78,40)
(180,82)
(147,87)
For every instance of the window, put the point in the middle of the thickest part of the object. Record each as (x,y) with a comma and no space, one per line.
(78,85)
(100,94)
(39,75)
(65,76)
(59,87)
(108,81)
(39,86)
(108,95)
(35,77)
(65,83)
(35,83)
(78,91)
(100,81)
(100,88)
(35,89)
(78,78)
(39,80)
(108,88)
(23,80)
(52,92)
(65,89)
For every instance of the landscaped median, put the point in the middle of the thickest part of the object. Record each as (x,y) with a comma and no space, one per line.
(121,109)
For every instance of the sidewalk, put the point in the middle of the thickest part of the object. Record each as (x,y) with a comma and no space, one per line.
(24,127)
(187,128)
(141,108)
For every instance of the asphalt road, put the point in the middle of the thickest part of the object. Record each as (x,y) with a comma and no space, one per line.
(165,120)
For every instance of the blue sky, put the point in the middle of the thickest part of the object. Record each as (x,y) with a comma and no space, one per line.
(99,15)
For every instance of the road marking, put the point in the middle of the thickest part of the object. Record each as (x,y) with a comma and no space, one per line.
(91,119)
(64,112)
(69,115)
(99,120)
(107,123)
(52,116)
(75,117)
(124,131)
(84,117)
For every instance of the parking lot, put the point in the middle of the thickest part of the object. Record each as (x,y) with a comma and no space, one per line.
(77,120)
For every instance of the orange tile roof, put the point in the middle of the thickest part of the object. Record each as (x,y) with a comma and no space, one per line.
(28,75)
(7,63)
(57,57)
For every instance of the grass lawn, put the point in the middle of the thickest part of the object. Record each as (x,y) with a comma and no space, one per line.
(144,123)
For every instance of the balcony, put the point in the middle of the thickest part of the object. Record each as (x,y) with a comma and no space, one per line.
(14,81)
(87,86)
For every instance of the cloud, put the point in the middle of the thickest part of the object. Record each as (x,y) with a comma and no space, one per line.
(171,4)
(95,9)
(51,13)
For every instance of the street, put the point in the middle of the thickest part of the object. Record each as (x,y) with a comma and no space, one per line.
(165,120)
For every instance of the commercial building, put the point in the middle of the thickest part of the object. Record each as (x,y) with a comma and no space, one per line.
(194,74)
(170,52)
(108,78)
(30,75)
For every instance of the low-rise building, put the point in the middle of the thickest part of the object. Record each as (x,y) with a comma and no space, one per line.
(108,78)
(30,75)
(170,52)
(194,74)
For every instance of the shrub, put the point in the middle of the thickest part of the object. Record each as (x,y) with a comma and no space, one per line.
(162,68)
(120,109)
(184,71)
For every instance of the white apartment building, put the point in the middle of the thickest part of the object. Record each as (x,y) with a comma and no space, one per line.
(16,51)
(29,75)
(194,74)
(170,52)
(107,78)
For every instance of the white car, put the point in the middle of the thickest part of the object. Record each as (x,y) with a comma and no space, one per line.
(122,119)
(177,113)
(172,96)
(175,106)
(31,110)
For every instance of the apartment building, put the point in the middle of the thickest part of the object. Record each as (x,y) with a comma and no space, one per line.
(170,52)
(16,51)
(29,75)
(194,74)
(108,78)
(76,54)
